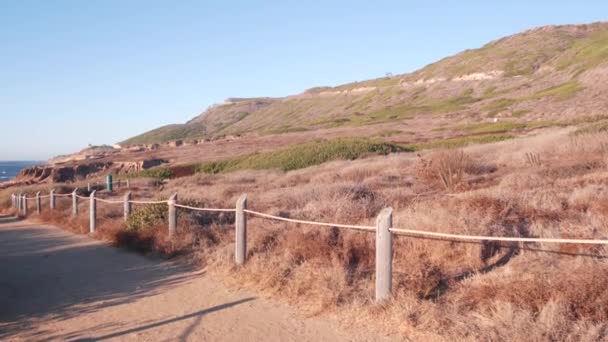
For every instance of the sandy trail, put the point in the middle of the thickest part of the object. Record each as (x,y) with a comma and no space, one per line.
(58,286)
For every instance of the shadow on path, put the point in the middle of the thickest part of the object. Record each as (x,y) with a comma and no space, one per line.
(8,219)
(184,336)
(48,273)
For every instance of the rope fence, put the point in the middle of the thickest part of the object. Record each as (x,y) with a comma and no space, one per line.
(62,195)
(399,231)
(314,223)
(383,229)
(494,238)
(205,209)
(109,201)
(148,202)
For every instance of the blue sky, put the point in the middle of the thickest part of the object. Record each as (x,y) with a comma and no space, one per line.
(80,72)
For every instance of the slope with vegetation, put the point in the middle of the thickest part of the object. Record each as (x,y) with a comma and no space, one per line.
(550,185)
(546,74)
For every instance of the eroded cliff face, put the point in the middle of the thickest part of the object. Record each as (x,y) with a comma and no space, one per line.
(60,174)
(78,172)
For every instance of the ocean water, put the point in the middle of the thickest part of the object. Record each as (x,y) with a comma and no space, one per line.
(10,169)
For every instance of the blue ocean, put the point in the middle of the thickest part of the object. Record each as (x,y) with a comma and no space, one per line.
(10,169)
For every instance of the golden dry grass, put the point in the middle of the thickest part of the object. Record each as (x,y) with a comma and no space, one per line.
(443,290)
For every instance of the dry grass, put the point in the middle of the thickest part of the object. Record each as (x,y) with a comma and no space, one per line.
(443,290)
(447,168)
(533,159)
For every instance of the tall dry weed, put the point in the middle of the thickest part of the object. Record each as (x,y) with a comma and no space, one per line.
(447,168)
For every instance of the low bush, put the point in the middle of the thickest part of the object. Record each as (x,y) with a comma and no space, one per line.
(302,156)
(459,141)
(563,91)
(147,216)
(504,126)
(159,173)
(498,105)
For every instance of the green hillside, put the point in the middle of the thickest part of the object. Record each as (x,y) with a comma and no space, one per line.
(547,73)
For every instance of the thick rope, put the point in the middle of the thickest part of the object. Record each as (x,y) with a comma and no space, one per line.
(204,209)
(495,238)
(149,202)
(366,228)
(109,201)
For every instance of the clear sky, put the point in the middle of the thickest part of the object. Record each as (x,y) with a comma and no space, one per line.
(79,72)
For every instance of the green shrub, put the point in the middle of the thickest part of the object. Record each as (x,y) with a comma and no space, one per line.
(147,216)
(492,127)
(519,113)
(561,92)
(452,104)
(386,114)
(215,166)
(468,92)
(504,126)
(489,91)
(160,173)
(388,133)
(459,141)
(498,105)
(301,156)
(286,129)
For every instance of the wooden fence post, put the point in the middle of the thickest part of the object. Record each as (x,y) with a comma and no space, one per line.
(127,205)
(384,255)
(18,199)
(38,204)
(52,199)
(128,184)
(75,203)
(24,205)
(240,241)
(172,215)
(92,212)
(13,201)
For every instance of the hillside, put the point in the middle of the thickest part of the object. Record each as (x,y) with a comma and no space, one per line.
(550,73)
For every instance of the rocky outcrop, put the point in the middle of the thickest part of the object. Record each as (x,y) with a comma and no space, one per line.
(81,171)
(130,167)
(90,153)
(59,174)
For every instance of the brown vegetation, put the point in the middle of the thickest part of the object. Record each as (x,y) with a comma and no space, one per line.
(443,290)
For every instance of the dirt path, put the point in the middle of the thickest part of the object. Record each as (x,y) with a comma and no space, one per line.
(58,286)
